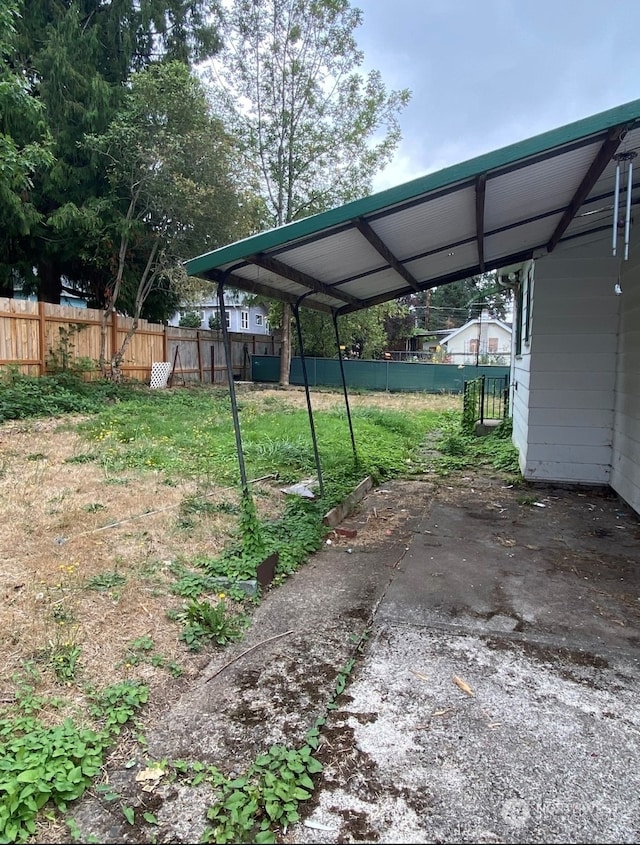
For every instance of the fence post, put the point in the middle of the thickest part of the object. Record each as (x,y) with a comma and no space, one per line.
(482,380)
(42,339)
(114,334)
(200,370)
(165,344)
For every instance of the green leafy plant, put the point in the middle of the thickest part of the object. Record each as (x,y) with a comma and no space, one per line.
(106,581)
(44,764)
(266,797)
(94,507)
(197,505)
(83,458)
(206,623)
(62,656)
(253,546)
(141,650)
(252,808)
(62,357)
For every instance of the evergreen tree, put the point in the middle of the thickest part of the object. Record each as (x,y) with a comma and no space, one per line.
(77,56)
(25,148)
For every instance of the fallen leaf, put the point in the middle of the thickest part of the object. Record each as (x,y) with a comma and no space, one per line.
(149,774)
(419,675)
(441,712)
(463,685)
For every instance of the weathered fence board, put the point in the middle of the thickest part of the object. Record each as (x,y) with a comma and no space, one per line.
(34,334)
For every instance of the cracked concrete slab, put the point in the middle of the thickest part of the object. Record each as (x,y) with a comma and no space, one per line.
(495,699)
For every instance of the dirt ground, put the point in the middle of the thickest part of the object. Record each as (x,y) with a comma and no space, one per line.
(86,554)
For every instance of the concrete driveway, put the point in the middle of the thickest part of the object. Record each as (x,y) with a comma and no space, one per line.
(496,697)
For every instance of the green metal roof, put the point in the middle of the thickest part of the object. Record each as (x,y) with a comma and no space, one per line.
(495,209)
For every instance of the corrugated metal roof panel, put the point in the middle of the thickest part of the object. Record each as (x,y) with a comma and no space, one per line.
(431,222)
(491,211)
(443,263)
(374,284)
(531,235)
(537,189)
(340,256)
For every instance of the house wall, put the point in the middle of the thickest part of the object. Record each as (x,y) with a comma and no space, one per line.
(256,315)
(460,346)
(519,378)
(625,464)
(565,379)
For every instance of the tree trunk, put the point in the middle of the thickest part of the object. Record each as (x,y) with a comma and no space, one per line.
(50,286)
(6,283)
(285,349)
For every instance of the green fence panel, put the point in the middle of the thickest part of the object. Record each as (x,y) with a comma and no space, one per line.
(392,376)
(265,368)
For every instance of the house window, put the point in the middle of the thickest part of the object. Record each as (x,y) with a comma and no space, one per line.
(214,319)
(259,319)
(473,345)
(492,346)
(244,320)
(523,311)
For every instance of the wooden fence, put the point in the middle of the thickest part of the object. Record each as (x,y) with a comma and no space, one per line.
(35,336)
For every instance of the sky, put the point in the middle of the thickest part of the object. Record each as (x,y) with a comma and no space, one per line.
(487,73)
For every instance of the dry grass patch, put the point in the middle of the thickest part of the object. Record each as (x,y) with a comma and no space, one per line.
(86,555)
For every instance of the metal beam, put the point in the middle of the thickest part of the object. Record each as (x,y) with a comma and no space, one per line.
(481,184)
(344,389)
(232,390)
(251,286)
(611,143)
(465,273)
(300,278)
(296,314)
(379,245)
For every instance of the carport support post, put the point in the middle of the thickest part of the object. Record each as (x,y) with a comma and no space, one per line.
(296,313)
(344,387)
(232,388)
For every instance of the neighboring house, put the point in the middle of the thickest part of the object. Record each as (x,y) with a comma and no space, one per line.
(65,298)
(241,316)
(556,215)
(485,340)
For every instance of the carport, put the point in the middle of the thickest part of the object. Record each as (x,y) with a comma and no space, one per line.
(494,212)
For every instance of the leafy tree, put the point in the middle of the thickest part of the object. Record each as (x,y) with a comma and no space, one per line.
(25,148)
(450,306)
(77,56)
(313,125)
(173,190)
(399,325)
(364,334)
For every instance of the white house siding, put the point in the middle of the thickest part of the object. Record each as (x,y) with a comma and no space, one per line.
(519,384)
(256,316)
(566,420)
(460,342)
(625,464)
